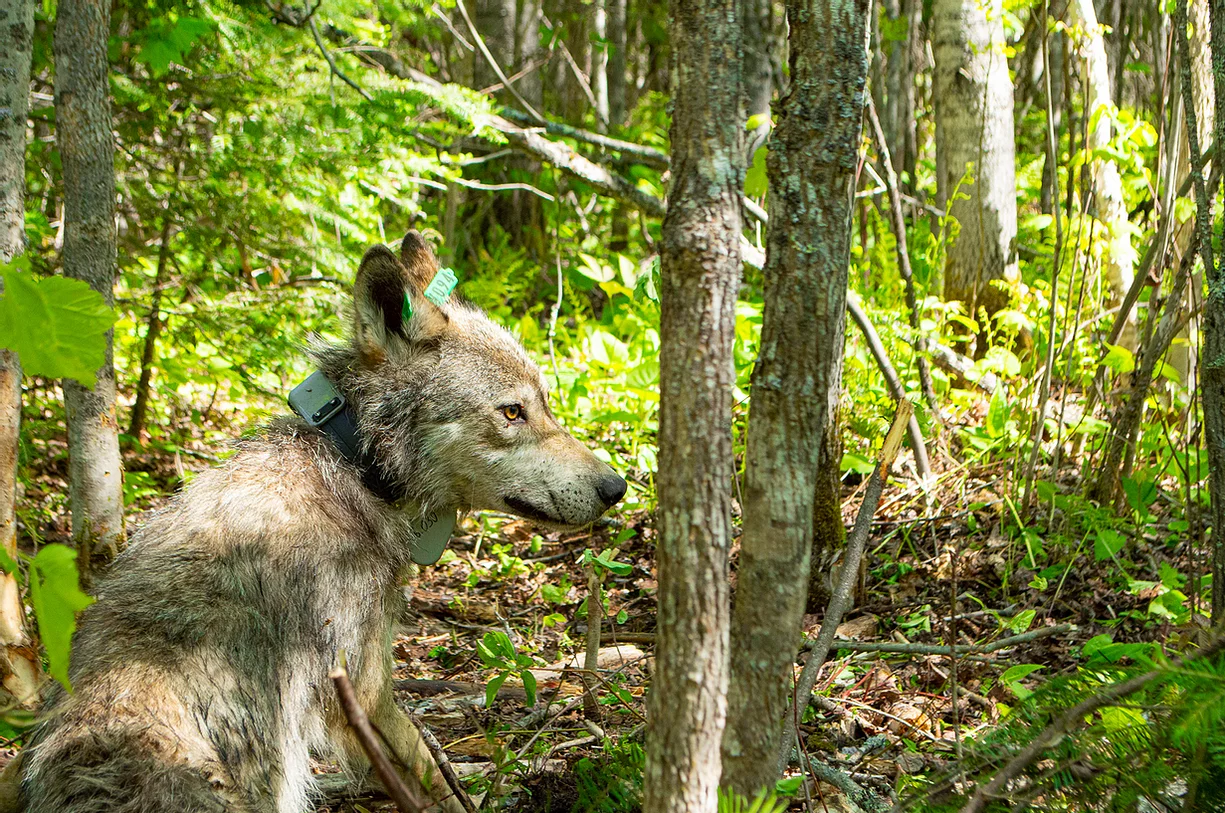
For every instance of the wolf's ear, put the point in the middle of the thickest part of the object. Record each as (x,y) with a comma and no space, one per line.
(418,259)
(383,323)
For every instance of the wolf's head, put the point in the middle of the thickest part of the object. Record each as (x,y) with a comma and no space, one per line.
(452,406)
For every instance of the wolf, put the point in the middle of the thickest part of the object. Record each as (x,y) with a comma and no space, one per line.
(200,676)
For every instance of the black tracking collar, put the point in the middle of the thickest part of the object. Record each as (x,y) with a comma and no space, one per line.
(317,401)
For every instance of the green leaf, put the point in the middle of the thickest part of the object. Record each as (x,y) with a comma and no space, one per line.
(56,325)
(529,686)
(1107,543)
(56,595)
(755,181)
(1119,359)
(1021,621)
(997,414)
(491,689)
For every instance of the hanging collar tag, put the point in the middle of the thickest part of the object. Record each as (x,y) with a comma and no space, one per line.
(430,535)
(437,291)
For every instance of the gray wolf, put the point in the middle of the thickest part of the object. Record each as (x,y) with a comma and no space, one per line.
(200,675)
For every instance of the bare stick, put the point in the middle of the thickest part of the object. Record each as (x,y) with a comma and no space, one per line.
(445,766)
(332,62)
(1073,716)
(903,260)
(895,384)
(595,620)
(840,602)
(936,649)
(493,63)
(406,799)
(648,156)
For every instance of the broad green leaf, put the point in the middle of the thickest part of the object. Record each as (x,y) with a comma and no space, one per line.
(1018,672)
(997,414)
(56,325)
(1119,359)
(491,689)
(529,686)
(1021,621)
(1107,543)
(56,595)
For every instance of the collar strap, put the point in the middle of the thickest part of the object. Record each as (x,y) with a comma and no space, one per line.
(317,401)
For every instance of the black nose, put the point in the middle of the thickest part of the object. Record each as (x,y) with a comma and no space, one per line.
(610,489)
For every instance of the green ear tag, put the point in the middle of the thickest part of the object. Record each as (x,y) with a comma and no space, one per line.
(406,310)
(440,286)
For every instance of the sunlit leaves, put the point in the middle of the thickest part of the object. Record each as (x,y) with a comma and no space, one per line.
(56,595)
(56,325)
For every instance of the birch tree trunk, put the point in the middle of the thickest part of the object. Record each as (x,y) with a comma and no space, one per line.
(700,277)
(812,171)
(972,94)
(527,51)
(1119,258)
(19,665)
(83,135)
(599,63)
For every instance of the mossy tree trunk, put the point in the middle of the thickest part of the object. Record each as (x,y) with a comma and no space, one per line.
(700,278)
(813,158)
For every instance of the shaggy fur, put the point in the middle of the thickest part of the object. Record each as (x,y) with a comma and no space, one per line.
(200,675)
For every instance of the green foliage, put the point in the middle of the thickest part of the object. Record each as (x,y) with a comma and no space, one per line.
(612,782)
(56,598)
(56,325)
(497,652)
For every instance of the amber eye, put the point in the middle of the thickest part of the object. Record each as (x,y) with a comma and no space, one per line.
(513,412)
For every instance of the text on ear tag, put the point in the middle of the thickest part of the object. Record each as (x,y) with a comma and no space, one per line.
(441,286)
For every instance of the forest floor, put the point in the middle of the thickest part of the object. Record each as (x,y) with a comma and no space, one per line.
(887,720)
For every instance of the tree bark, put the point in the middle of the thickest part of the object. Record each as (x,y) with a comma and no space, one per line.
(527,51)
(19,664)
(495,20)
(1119,259)
(700,276)
(972,93)
(828,531)
(812,168)
(599,63)
(140,407)
(83,134)
(617,103)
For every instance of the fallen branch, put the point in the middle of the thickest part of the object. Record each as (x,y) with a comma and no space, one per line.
(903,259)
(1072,717)
(841,601)
(406,800)
(647,156)
(429,688)
(877,348)
(445,766)
(959,366)
(937,649)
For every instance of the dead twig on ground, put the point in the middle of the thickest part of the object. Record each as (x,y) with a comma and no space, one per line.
(444,765)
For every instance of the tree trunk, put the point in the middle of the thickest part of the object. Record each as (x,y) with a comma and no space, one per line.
(83,135)
(899,112)
(828,532)
(617,100)
(19,665)
(495,20)
(700,278)
(527,52)
(599,63)
(140,408)
(812,168)
(1119,259)
(972,93)
(1212,375)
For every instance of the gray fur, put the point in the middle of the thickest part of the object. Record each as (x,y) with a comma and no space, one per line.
(200,675)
